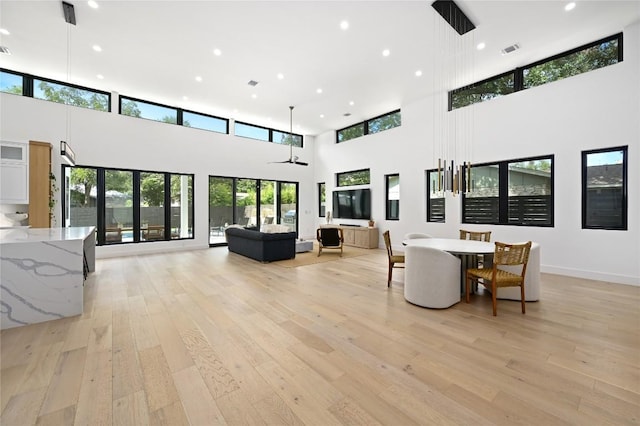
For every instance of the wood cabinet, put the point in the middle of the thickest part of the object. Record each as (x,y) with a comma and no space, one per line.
(39,184)
(14,173)
(359,236)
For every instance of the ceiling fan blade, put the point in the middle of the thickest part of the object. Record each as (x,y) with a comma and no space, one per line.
(300,163)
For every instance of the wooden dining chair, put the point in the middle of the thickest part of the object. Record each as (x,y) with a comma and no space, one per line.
(395,260)
(475,235)
(494,278)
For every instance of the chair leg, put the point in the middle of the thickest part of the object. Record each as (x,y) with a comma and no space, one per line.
(319,250)
(467,283)
(522,297)
(389,274)
(494,298)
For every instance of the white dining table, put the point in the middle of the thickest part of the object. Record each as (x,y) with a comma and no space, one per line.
(466,250)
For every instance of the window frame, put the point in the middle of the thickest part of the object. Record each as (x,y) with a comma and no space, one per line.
(322,205)
(365,126)
(342,174)
(518,72)
(624,200)
(388,202)
(503,194)
(430,190)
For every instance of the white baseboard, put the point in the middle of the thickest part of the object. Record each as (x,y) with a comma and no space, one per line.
(591,275)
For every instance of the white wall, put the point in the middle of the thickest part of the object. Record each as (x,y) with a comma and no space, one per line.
(112,140)
(598,109)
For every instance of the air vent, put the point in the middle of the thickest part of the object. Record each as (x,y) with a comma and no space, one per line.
(4,49)
(252,83)
(347,114)
(510,49)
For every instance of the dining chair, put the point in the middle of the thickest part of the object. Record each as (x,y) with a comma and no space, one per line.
(395,260)
(494,278)
(329,238)
(415,235)
(475,235)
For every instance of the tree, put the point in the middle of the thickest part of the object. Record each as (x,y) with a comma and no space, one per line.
(73,96)
(130,108)
(85,178)
(152,188)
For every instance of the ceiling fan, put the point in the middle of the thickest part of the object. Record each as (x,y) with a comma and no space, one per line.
(293,159)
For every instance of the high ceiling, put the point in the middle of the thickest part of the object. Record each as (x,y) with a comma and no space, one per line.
(154,50)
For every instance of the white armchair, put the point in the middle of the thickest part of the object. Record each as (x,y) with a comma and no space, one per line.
(431,277)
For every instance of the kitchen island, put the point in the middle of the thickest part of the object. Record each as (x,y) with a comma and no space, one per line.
(43,272)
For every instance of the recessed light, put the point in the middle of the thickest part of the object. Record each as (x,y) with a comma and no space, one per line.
(321,115)
(344,25)
(198,78)
(570,6)
(185,98)
(217,52)
(97,48)
(481,46)
(318,90)
(386,52)
(351,103)
(92,4)
(419,73)
(100,77)
(4,31)
(254,96)
(280,76)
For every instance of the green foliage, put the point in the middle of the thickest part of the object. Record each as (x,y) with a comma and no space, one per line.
(130,108)
(74,96)
(351,132)
(220,192)
(14,90)
(86,178)
(360,177)
(385,122)
(152,189)
(482,92)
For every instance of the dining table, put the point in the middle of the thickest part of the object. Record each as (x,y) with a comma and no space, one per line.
(466,250)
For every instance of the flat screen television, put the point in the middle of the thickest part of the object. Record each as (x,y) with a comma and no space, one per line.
(352,204)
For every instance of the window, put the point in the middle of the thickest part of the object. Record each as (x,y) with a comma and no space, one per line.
(10,82)
(205,122)
(286,138)
(604,189)
(598,54)
(68,94)
(150,111)
(392,184)
(250,131)
(516,192)
(322,199)
(435,198)
(357,177)
(586,58)
(374,125)
(482,91)
(129,206)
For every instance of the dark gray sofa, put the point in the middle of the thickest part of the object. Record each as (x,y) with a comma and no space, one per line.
(262,246)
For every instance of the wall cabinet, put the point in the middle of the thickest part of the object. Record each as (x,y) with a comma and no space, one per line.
(14,173)
(39,184)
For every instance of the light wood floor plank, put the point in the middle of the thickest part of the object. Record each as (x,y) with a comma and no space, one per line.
(207,337)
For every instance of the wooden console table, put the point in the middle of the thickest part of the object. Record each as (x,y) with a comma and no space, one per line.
(358,236)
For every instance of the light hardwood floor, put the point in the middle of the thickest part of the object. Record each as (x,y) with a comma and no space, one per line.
(207,337)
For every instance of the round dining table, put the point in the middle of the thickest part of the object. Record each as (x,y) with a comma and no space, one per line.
(466,250)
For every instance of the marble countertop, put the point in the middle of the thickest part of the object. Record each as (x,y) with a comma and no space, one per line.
(27,235)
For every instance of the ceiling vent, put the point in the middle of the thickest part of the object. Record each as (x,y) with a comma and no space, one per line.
(347,114)
(5,50)
(252,83)
(510,49)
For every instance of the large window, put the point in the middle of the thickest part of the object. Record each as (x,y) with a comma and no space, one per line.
(392,208)
(373,125)
(250,202)
(435,197)
(356,177)
(598,54)
(516,192)
(604,189)
(150,111)
(129,206)
(205,122)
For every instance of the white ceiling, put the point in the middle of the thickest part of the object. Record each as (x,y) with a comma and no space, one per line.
(153,50)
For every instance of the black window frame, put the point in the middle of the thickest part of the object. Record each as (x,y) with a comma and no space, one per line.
(505,200)
(181,119)
(137,226)
(518,73)
(365,126)
(322,207)
(341,174)
(388,202)
(431,208)
(296,136)
(625,182)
